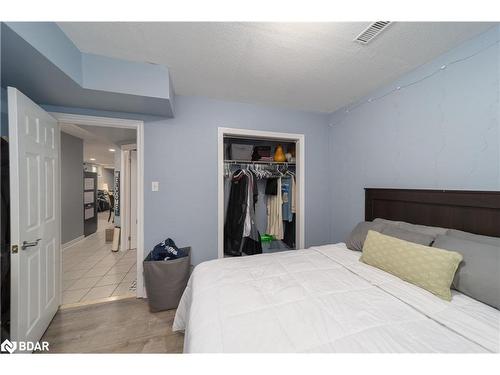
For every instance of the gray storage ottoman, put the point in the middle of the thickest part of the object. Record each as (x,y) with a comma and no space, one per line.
(165,281)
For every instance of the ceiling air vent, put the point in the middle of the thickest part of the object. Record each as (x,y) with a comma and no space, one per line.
(372,31)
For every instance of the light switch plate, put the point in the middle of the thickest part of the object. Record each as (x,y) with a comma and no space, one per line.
(155,186)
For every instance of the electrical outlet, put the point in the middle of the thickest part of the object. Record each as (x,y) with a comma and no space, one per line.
(155,186)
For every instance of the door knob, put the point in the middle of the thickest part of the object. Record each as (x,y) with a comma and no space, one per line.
(29,244)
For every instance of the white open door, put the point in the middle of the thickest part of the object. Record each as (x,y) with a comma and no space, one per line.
(35,217)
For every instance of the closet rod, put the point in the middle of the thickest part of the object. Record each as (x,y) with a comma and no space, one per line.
(259,162)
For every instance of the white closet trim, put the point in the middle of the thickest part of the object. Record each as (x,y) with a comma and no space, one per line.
(299,140)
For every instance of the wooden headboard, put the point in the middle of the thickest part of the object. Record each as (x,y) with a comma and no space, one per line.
(471,211)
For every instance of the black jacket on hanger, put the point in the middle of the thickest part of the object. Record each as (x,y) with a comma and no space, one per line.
(235,217)
(234,243)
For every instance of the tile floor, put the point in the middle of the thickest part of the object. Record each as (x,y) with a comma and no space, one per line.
(91,271)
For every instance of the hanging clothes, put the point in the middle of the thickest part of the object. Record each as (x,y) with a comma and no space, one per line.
(235,216)
(286,192)
(294,196)
(251,236)
(289,202)
(247,226)
(240,231)
(275,213)
(289,236)
(272,186)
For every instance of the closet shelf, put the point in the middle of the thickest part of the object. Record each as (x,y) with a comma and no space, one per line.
(258,162)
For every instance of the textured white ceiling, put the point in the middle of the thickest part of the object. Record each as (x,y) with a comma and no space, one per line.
(311,66)
(98,140)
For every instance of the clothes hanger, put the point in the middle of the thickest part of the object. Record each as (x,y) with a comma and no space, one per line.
(238,173)
(279,171)
(256,170)
(289,172)
(263,171)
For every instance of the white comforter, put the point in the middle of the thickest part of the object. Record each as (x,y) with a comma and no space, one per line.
(323,299)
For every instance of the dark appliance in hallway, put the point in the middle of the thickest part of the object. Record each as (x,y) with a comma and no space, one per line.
(89,203)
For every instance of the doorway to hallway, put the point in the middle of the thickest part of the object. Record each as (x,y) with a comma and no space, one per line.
(103,266)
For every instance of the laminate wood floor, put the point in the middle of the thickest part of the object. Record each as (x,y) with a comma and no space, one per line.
(124,326)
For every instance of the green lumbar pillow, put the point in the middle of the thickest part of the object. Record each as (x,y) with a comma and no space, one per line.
(430,268)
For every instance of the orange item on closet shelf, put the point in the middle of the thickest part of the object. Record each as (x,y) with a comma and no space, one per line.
(279,155)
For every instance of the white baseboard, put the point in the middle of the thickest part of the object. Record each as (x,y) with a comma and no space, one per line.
(74,241)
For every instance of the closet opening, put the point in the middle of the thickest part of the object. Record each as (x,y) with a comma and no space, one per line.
(261,192)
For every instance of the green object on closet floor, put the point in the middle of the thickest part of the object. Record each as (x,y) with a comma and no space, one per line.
(266,238)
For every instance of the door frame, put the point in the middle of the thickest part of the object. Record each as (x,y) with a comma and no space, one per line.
(125,208)
(299,140)
(138,125)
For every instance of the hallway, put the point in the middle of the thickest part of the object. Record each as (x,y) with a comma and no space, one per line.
(92,272)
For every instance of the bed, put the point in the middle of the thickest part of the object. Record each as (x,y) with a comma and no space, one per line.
(322,299)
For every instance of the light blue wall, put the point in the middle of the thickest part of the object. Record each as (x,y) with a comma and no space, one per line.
(442,133)
(50,41)
(126,77)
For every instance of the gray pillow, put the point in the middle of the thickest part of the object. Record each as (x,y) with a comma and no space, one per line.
(407,235)
(495,241)
(424,229)
(387,222)
(478,276)
(356,239)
